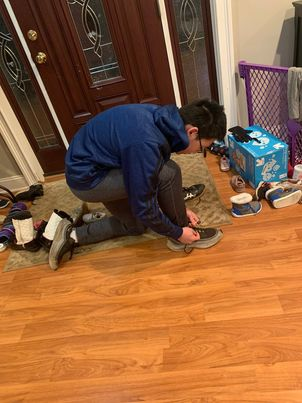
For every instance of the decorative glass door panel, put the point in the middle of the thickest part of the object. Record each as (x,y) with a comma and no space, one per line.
(191,42)
(92,28)
(17,78)
(99,54)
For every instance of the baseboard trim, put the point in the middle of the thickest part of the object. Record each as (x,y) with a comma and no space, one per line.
(14,183)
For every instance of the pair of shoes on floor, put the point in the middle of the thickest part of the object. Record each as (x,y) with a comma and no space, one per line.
(243,205)
(208,238)
(193,191)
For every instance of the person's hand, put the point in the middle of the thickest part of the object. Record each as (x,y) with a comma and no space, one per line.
(192,217)
(189,235)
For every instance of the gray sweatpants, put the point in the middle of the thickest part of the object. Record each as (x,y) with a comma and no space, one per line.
(112,193)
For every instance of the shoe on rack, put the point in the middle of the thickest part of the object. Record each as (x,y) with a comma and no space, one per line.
(25,238)
(283,197)
(92,217)
(62,244)
(208,238)
(4,203)
(224,164)
(243,205)
(193,191)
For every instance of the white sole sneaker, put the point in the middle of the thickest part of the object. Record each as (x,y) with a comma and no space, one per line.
(253,212)
(284,201)
(200,244)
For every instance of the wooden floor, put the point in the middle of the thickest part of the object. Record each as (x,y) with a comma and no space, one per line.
(145,324)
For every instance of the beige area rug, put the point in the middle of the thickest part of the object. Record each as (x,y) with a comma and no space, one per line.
(57,195)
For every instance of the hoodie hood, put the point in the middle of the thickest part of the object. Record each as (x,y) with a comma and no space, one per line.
(170,123)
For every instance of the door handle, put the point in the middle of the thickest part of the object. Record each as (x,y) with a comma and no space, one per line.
(32,35)
(41,58)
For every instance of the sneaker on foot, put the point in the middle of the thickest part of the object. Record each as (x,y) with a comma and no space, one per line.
(92,217)
(193,191)
(208,237)
(62,243)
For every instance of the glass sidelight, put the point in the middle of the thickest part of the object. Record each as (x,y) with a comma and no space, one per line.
(191,38)
(15,74)
(92,27)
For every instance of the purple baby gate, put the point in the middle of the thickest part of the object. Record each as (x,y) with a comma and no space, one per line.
(266,94)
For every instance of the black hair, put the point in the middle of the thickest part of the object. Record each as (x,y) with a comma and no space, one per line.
(208,116)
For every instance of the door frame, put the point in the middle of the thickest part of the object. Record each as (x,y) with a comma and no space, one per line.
(221,13)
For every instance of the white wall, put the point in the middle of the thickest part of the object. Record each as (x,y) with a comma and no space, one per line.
(8,166)
(264,34)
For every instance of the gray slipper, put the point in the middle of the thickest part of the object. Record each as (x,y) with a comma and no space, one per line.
(237,183)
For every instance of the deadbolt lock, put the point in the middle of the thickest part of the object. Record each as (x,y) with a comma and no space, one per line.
(32,35)
(41,58)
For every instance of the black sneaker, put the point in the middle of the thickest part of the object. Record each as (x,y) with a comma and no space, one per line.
(193,191)
(208,238)
(61,244)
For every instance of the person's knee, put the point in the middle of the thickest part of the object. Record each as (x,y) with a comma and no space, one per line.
(170,171)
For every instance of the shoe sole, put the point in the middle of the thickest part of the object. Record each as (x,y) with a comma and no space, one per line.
(289,200)
(198,245)
(246,215)
(57,243)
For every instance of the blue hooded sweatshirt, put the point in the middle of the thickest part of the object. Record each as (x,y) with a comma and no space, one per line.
(138,139)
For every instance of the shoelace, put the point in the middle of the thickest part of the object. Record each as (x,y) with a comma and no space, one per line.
(188,249)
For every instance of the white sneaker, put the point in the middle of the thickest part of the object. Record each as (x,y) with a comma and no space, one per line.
(280,197)
(224,164)
(92,217)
